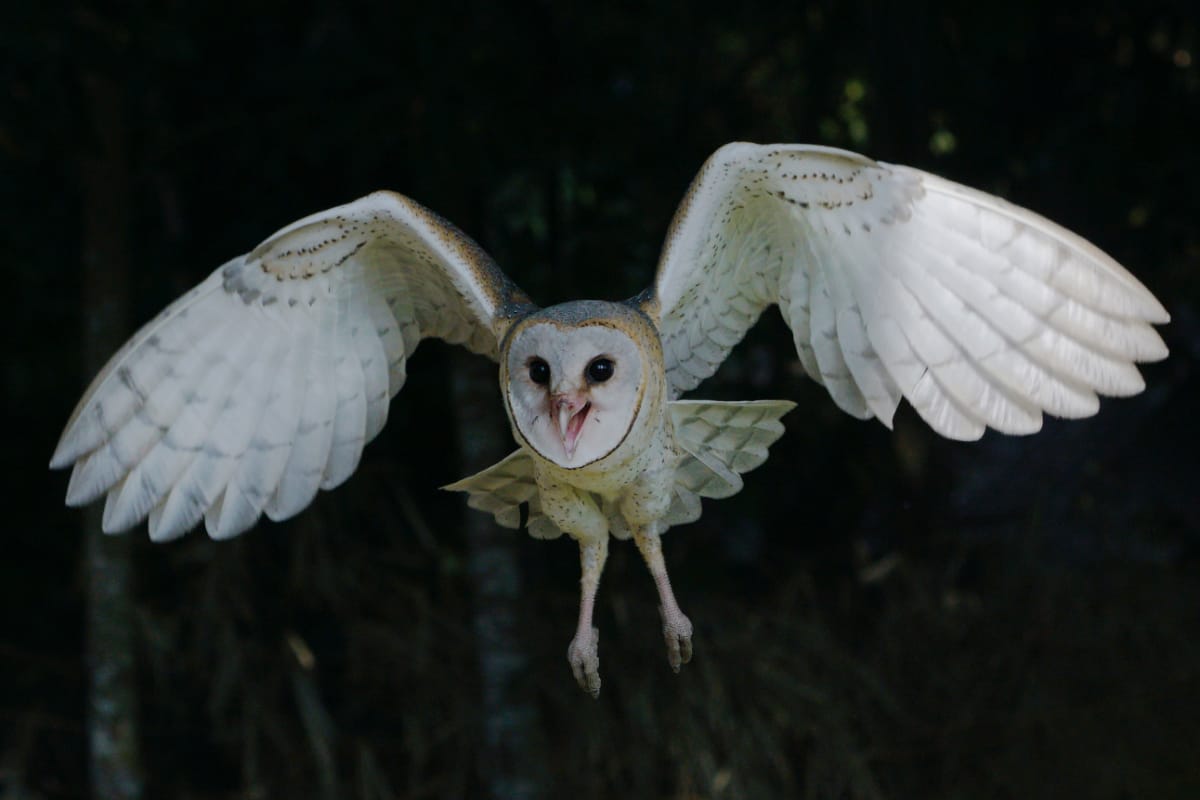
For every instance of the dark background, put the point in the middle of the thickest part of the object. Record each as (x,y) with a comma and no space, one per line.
(878,614)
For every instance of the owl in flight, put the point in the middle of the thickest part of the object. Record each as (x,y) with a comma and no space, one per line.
(262,384)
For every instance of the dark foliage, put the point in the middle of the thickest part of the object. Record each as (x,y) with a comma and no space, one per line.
(879,614)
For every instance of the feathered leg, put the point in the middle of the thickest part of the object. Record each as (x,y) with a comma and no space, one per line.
(677,628)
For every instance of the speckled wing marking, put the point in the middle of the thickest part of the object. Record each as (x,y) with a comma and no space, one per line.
(897,283)
(263,383)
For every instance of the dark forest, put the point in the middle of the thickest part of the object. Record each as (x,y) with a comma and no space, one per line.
(879,614)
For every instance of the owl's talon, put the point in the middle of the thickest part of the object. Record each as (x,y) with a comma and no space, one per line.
(584,655)
(677,631)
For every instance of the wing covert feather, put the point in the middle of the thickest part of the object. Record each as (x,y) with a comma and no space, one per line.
(899,284)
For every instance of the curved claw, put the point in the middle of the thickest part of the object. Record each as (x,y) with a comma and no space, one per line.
(584,655)
(677,631)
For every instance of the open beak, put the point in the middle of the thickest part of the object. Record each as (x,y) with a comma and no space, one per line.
(571,410)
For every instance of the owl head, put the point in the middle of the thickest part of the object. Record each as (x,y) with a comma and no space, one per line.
(575,377)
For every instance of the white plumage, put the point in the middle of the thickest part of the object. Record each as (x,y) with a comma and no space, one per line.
(262,385)
(897,283)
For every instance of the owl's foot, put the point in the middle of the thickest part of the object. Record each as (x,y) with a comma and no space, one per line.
(677,630)
(584,655)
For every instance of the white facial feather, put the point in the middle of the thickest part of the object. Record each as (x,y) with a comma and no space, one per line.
(595,415)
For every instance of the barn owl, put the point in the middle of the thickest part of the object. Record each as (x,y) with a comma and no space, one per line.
(262,384)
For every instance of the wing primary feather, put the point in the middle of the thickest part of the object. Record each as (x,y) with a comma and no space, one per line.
(134,370)
(1108,287)
(1060,353)
(97,472)
(941,412)
(964,338)
(187,437)
(963,229)
(154,523)
(1053,387)
(232,433)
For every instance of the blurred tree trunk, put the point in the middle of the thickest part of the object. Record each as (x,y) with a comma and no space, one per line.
(115,764)
(511,759)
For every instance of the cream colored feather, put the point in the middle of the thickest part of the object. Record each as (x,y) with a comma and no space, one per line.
(896,284)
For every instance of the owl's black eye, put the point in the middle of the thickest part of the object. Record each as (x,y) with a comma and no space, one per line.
(600,370)
(539,371)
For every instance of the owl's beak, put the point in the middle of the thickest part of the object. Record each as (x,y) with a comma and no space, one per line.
(571,410)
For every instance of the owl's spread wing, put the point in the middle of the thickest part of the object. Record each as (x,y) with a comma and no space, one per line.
(263,383)
(897,283)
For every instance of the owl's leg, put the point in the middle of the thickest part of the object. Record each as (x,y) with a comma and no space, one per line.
(576,513)
(584,650)
(677,628)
